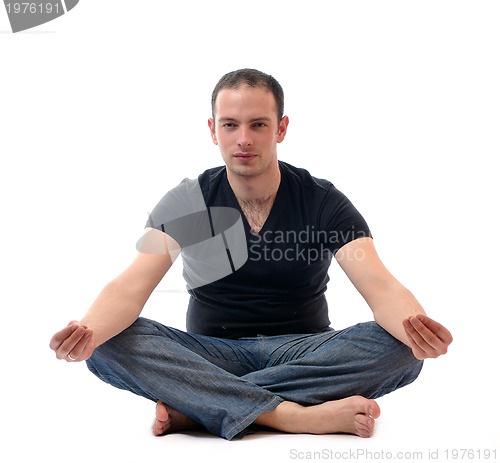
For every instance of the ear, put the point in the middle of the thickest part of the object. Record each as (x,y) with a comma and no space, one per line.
(282,129)
(211,126)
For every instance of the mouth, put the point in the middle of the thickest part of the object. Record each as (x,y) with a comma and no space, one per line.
(244,155)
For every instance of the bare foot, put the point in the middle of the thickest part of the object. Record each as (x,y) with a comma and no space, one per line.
(353,415)
(168,421)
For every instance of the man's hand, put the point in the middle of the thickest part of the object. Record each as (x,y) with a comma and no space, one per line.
(73,343)
(427,338)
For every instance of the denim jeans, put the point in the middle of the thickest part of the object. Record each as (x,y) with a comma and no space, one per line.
(225,384)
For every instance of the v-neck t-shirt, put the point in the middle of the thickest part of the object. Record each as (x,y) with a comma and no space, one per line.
(279,287)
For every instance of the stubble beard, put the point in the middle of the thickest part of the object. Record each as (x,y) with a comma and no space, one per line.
(249,171)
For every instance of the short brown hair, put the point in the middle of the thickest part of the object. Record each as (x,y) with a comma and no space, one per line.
(253,78)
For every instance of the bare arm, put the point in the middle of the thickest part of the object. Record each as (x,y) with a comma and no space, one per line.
(394,307)
(119,303)
(122,300)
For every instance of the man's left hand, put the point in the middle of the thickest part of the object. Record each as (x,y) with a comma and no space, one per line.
(427,338)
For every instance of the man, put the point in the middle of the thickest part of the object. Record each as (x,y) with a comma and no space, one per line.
(257,237)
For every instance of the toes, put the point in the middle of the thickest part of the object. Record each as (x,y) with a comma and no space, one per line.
(364,425)
(366,406)
(161,412)
(162,422)
(373,409)
(158,428)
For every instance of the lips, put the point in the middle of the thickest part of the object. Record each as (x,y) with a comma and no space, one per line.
(244,155)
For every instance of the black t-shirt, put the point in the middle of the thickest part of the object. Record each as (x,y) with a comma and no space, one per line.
(273,283)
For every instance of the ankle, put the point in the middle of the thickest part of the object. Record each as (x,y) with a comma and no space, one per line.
(287,417)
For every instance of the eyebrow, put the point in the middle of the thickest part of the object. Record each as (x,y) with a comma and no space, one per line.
(255,119)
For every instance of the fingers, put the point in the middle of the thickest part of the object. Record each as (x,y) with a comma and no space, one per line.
(72,342)
(79,350)
(439,330)
(62,335)
(428,338)
(424,336)
(418,352)
(423,340)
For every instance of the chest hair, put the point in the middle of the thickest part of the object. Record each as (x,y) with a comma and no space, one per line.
(257,211)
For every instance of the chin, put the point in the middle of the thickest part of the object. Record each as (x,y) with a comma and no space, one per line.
(245,171)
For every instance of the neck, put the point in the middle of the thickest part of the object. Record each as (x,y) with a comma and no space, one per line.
(255,189)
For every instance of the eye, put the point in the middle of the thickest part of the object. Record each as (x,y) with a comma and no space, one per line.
(259,124)
(229,125)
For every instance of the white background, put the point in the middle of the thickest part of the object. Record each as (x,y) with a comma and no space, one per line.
(104,109)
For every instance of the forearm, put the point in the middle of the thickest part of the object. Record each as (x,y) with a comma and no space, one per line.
(114,310)
(392,306)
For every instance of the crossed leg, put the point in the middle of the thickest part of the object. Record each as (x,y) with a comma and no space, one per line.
(302,384)
(352,415)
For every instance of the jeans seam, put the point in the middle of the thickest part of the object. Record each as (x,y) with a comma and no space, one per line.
(249,419)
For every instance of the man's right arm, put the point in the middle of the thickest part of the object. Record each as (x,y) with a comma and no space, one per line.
(119,304)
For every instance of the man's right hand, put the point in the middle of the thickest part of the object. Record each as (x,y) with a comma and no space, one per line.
(73,343)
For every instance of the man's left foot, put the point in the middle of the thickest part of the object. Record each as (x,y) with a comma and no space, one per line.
(169,420)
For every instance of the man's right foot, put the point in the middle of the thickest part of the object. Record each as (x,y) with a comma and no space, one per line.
(168,421)
(353,415)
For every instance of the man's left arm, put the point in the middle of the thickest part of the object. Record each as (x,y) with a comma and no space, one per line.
(394,307)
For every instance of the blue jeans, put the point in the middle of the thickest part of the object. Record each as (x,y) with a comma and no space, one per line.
(225,384)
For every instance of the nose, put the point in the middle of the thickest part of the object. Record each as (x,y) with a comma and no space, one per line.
(244,137)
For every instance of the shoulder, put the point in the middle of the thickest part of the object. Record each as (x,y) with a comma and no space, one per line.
(317,191)
(198,187)
(185,198)
(211,176)
(301,178)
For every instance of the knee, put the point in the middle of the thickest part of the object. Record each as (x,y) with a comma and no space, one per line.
(124,340)
(410,366)
(398,357)
(116,348)
(403,363)
(102,359)
(132,343)
(414,366)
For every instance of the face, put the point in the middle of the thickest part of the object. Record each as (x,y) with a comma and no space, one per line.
(247,131)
